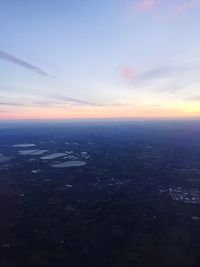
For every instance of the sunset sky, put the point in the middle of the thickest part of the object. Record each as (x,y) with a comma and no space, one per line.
(99,59)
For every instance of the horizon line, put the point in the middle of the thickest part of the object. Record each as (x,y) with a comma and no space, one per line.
(102,119)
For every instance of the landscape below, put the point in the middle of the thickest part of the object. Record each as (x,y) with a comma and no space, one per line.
(100,194)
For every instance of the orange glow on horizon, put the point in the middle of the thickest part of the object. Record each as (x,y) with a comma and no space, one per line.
(176,111)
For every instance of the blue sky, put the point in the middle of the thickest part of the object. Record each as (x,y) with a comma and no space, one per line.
(114,58)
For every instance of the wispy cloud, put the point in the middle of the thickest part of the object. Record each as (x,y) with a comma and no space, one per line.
(128,73)
(146,5)
(170,8)
(15,60)
(47,101)
(5,103)
(74,100)
(168,80)
(184,6)
(161,72)
(55,101)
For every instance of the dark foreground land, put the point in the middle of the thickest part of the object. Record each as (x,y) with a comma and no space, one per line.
(133,201)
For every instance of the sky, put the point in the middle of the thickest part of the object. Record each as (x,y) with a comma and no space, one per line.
(99,59)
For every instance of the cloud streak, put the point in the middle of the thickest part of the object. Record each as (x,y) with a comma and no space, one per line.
(49,101)
(170,80)
(165,72)
(2,103)
(12,59)
(162,72)
(74,100)
(55,101)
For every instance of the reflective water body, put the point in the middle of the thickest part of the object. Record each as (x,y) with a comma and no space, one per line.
(23,145)
(32,152)
(54,156)
(70,163)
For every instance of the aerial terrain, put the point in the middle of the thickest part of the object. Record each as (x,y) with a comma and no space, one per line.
(105,193)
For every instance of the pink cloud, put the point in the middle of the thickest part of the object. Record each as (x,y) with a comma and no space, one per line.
(128,73)
(168,8)
(146,5)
